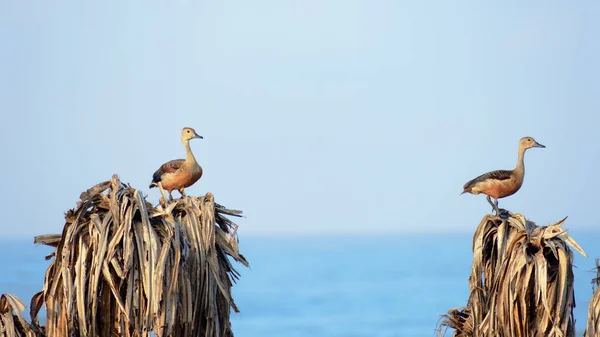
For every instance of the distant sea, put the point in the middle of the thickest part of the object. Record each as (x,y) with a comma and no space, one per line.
(347,286)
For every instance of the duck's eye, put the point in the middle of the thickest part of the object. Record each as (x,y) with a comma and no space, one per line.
(188,131)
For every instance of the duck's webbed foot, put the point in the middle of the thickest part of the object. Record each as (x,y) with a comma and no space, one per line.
(500,212)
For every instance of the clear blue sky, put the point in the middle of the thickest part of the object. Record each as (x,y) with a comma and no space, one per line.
(317,116)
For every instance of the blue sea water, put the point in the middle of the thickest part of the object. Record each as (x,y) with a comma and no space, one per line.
(346,286)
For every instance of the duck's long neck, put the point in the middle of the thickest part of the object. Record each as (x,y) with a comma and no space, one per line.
(520,169)
(189,156)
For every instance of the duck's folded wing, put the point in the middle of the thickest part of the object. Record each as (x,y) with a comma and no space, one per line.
(494,175)
(166,168)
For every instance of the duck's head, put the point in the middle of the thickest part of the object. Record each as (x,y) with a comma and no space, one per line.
(189,133)
(528,142)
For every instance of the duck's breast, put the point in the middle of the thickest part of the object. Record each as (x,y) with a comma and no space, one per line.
(194,175)
(503,188)
(174,181)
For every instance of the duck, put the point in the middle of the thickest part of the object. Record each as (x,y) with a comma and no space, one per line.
(179,174)
(502,183)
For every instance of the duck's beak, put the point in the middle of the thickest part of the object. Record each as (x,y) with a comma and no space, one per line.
(198,136)
(538,145)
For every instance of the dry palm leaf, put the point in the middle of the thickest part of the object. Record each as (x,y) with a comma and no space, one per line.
(521,281)
(593,319)
(125,268)
(12,323)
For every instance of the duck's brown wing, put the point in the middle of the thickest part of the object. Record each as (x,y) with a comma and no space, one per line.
(168,167)
(494,175)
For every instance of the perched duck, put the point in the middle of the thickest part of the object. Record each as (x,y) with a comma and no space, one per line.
(179,173)
(502,183)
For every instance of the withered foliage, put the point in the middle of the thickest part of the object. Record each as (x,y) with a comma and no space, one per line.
(593,318)
(123,267)
(521,281)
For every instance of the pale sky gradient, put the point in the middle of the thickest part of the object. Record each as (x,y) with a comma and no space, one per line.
(317,116)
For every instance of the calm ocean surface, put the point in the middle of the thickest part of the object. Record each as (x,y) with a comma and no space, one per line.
(334,286)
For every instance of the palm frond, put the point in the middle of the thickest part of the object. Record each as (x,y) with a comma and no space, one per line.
(521,281)
(12,323)
(123,267)
(593,318)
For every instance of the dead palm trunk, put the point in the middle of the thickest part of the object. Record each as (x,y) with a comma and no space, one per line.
(593,319)
(123,267)
(521,281)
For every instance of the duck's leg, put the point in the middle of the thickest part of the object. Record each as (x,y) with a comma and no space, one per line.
(490,201)
(494,205)
(182,193)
